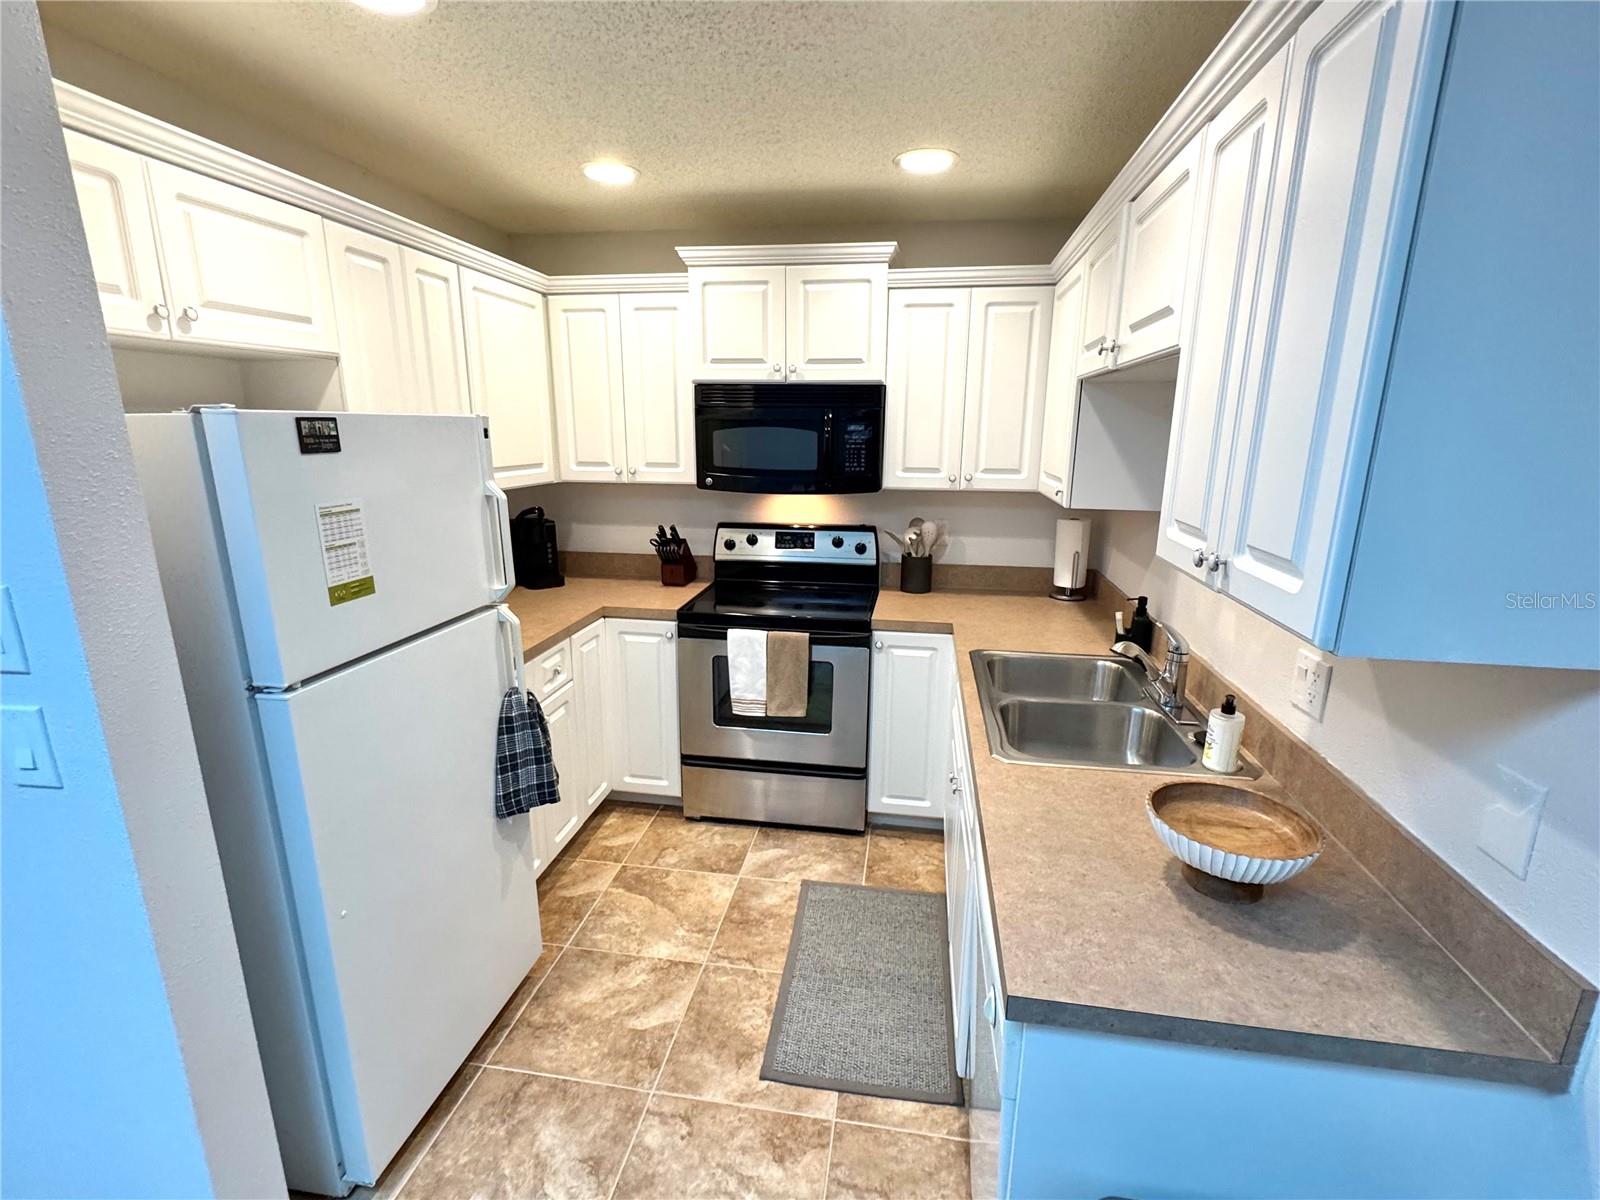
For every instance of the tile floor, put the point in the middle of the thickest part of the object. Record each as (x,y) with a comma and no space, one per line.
(627,1064)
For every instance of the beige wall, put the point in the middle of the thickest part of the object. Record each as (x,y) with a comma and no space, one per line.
(922,244)
(116,78)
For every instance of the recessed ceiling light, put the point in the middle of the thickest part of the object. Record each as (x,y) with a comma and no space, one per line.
(927,161)
(397,8)
(613,174)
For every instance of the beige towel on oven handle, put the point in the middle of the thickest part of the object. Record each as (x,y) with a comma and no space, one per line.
(788,673)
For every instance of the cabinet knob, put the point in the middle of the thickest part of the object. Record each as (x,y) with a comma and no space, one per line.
(952,479)
(1111,347)
(1101,349)
(877,645)
(791,368)
(1199,558)
(669,635)
(967,477)
(617,470)
(1058,493)
(191,313)
(952,779)
(633,470)
(1215,562)
(159,311)
(778,368)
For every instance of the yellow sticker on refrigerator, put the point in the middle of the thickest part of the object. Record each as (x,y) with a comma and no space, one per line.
(344,551)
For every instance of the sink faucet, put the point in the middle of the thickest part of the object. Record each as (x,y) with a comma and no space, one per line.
(1169,682)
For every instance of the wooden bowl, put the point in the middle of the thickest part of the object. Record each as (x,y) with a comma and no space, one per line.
(1233,834)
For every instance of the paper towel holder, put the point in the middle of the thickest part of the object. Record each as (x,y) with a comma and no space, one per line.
(1070,578)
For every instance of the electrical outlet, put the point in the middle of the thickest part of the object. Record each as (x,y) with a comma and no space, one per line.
(1308,690)
(1511,824)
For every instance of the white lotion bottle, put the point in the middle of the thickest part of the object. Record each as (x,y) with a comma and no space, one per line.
(1224,730)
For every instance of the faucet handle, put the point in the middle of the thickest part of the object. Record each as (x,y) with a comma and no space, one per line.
(1176,642)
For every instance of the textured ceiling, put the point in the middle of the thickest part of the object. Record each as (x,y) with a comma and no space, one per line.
(740,113)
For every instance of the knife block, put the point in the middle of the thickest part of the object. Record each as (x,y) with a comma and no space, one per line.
(680,573)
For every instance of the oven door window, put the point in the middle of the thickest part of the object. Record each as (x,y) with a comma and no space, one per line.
(765,445)
(819,703)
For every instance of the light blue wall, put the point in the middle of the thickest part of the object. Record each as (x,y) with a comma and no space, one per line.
(1099,1115)
(1485,481)
(94,1099)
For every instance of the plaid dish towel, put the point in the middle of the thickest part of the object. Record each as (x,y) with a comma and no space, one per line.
(525,770)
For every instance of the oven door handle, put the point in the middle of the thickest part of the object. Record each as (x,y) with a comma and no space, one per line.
(719,633)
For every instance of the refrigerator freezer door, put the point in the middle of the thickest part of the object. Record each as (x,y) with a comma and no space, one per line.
(417,906)
(349,532)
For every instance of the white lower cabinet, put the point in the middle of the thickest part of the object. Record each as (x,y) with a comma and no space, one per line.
(559,822)
(642,723)
(588,660)
(907,762)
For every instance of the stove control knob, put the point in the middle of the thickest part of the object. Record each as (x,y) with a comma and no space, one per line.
(749,539)
(838,542)
(861,547)
(728,543)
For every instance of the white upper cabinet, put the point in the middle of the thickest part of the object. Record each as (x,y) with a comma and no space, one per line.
(927,387)
(778,324)
(837,318)
(657,394)
(369,302)
(438,335)
(1231,207)
(508,369)
(1338,223)
(1102,287)
(1007,358)
(242,269)
(121,233)
(737,318)
(586,374)
(1061,389)
(1156,255)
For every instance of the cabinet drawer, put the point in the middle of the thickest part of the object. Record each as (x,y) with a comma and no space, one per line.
(550,671)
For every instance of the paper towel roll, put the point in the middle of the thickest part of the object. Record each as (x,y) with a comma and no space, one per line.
(1071,575)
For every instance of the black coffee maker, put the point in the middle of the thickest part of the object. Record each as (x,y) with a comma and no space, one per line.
(533,549)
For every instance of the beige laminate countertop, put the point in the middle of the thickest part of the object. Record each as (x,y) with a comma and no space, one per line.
(1097,929)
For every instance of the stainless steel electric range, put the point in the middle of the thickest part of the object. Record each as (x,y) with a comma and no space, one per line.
(808,770)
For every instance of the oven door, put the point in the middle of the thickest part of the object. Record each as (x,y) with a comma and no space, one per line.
(832,734)
(762,448)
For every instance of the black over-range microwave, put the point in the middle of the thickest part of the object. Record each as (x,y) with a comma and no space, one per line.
(789,437)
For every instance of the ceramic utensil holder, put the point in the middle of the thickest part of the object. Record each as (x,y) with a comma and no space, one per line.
(916,575)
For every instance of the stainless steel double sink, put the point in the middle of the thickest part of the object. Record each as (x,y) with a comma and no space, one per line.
(1079,710)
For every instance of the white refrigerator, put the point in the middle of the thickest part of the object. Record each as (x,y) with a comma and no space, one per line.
(334,583)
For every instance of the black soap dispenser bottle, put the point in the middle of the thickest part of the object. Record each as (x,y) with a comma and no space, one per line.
(1141,629)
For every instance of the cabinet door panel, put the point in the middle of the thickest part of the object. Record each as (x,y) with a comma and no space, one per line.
(642,707)
(1060,419)
(369,300)
(837,319)
(252,270)
(568,748)
(508,369)
(908,763)
(927,387)
(115,205)
(657,395)
(586,370)
(1102,284)
(1335,254)
(1159,221)
(1234,176)
(1007,357)
(438,333)
(588,665)
(737,322)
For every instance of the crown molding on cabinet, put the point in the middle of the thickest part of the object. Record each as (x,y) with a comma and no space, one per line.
(113,122)
(574,285)
(1255,37)
(787,256)
(1035,275)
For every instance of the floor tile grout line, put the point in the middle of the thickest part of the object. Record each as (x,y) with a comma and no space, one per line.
(606,1083)
(405,1181)
(622,1163)
(827,1164)
(501,1040)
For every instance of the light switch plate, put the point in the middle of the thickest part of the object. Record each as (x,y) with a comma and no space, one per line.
(30,760)
(1308,689)
(1511,825)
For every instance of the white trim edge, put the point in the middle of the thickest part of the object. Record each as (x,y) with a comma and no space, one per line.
(572,285)
(1035,275)
(1253,39)
(98,117)
(792,255)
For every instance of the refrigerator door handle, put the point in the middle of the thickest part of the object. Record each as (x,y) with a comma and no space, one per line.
(501,569)
(510,625)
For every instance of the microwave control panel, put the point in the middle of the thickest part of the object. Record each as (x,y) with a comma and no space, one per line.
(858,442)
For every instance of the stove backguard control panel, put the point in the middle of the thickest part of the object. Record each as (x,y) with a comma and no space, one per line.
(797,544)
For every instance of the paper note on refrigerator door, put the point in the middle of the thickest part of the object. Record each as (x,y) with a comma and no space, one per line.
(343,529)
